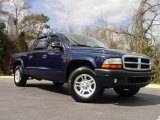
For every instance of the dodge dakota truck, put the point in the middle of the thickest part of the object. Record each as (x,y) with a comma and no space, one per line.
(85,64)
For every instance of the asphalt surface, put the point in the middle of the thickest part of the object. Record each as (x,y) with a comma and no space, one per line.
(40,100)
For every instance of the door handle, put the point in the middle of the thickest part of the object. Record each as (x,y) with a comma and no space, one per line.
(44,56)
(30,57)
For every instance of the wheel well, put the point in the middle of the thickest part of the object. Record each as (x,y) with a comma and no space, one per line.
(76,64)
(16,64)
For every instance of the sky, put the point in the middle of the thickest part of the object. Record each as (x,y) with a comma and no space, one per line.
(85,12)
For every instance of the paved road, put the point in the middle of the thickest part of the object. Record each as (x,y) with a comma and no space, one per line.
(43,101)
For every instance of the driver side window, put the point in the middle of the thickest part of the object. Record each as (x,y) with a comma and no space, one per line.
(40,44)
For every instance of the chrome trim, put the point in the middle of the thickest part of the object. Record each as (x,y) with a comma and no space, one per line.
(139,63)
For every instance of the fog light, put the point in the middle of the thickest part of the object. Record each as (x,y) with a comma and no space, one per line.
(115,80)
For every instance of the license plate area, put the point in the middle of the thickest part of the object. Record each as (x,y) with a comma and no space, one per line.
(134,80)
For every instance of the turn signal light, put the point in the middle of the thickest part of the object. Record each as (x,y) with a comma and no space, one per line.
(112,66)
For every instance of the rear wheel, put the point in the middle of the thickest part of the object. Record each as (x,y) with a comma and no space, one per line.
(82,85)
(20,78)
(126,92)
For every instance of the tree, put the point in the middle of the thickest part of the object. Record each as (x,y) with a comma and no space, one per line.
(140,34)
(34,24)
(19,7)
(6,48)
(112,39)
(141,37)
(71,29)
(8,43)
(144,21)
(2,12)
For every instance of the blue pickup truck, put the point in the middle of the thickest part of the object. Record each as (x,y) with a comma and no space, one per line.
(85,64)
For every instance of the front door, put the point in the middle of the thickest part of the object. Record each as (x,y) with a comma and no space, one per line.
(55,61)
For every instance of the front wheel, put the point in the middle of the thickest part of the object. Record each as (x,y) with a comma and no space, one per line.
(126,92)
(82,85)
(20,78)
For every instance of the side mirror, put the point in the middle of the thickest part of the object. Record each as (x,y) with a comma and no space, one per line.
(56,45)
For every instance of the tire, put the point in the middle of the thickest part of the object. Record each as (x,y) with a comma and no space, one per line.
(20,78)
(82,85)
(126,92)
(57,84)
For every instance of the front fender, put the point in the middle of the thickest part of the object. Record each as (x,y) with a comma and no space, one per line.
(85,58)
(18,61)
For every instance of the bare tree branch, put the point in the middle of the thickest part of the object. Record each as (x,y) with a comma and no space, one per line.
(151,23)
(120,32)
(149,8)
(19,6)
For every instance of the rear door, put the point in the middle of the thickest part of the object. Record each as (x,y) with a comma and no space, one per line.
(36,63)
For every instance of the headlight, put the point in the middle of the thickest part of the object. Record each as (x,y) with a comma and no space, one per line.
(113,63)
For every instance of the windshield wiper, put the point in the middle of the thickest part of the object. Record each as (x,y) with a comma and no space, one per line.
(98,47)
(81,45)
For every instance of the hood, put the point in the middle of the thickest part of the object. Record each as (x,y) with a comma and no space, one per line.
(104,51)
(108,51)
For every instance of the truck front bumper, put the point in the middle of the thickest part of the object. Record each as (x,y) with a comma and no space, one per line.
(111,78)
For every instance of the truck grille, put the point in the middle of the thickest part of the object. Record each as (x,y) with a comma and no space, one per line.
(136,63)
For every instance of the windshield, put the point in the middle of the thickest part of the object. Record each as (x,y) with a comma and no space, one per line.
(83,41)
